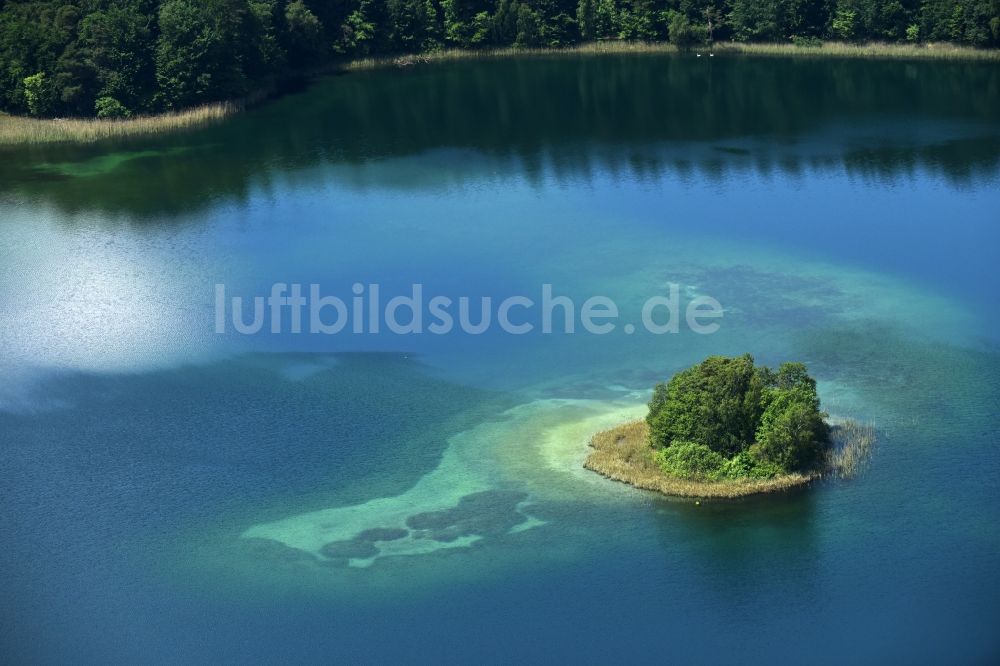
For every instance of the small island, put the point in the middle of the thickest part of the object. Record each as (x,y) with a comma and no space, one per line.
(728,428)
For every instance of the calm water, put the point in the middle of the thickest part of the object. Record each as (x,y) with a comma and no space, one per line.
(165,488)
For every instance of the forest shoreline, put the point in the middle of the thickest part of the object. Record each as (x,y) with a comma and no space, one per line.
(26,131)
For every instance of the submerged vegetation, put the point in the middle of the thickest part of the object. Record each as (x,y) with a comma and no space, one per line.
(124,58)
(727,428)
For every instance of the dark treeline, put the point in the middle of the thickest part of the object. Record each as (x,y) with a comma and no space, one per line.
(116,58)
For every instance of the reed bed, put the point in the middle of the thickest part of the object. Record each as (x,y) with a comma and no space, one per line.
(828,49)
(853,446)
(930,50)
(446,55)
(18,130)
(28,131)
(624,454)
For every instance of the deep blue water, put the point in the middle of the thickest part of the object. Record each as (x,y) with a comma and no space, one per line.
(160,483)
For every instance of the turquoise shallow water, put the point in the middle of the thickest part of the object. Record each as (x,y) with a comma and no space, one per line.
(168,491)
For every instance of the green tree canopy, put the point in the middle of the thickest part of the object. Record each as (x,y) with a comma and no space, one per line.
(123,57)
(735,408)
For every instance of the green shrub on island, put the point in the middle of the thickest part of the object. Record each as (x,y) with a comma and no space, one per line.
(687,460)
(747,466)
(727,418)
(697,462)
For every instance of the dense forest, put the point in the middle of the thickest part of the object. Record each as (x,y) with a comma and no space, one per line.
(117,58)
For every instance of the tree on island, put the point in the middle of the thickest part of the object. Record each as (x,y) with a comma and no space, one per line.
(727,418)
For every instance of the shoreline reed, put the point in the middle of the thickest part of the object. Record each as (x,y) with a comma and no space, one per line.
(22,130)
(623,454)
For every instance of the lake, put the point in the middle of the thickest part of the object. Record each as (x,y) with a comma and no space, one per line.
(167,489)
